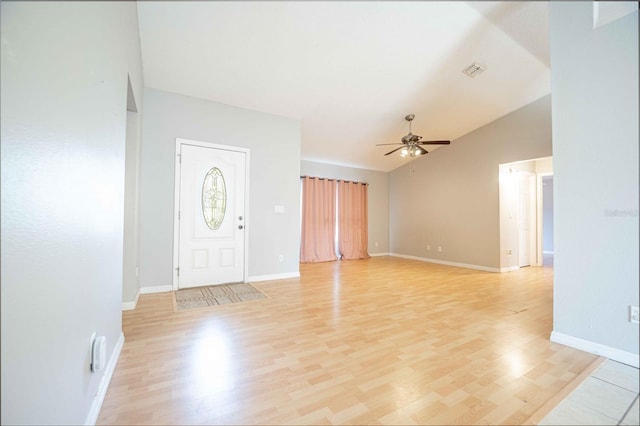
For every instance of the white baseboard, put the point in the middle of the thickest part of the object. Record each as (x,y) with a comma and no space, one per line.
(156,289)
(596,348)
(130,306)
(271,277)
(446,262)
(96,404)
(378,254)
(509,268)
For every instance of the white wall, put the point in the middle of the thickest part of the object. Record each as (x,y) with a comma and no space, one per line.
(595,151)
(450,197)
(63,124)
(274,180)
(378,196)
(130,286)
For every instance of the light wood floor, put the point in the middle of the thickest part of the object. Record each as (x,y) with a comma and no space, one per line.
(378,341)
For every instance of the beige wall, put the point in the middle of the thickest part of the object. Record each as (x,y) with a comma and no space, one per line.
(450,197)
(378,197)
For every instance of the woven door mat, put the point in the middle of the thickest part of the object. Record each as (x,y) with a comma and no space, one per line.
(214,295)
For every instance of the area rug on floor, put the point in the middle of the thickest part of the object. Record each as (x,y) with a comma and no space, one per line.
(200,297)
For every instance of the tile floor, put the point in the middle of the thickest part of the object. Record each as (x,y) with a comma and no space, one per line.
(608,397)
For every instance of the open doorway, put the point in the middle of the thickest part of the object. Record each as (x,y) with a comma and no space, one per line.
(523,228)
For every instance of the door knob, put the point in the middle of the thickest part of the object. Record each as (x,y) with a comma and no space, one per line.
(239,217)
(240,226)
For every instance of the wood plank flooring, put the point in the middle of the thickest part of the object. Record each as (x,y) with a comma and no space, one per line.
(378,341)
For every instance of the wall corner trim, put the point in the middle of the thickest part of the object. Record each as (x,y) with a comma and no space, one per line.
(96,404)
(596,348)
(130,306)
(446,262)
(156,289)
(271,277)
(378,254)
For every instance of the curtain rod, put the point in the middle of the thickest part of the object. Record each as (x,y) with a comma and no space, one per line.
(337,180)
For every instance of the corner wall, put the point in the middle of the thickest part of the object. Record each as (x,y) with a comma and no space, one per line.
(130,288)
(450,197)
(595,188)
(63,124)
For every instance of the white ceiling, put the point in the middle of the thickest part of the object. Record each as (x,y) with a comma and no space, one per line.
(351,71)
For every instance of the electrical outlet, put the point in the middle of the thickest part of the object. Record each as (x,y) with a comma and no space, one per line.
(509,252)
(281,258)
(428,247)
(634,314)
(439,248)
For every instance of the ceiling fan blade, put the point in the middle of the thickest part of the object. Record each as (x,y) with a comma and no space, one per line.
(434,142)
(391,152)
(381,144)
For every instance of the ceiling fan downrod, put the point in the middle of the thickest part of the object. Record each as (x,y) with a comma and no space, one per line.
(410,118)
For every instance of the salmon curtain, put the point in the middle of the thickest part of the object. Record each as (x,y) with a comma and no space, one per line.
(318,220)
(353,239)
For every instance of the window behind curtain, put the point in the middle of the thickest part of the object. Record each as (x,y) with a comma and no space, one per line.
(318,220)
(334,220)
(353,239)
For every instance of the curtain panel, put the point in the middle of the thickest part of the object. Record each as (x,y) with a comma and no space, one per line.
(318,220)
(353,239)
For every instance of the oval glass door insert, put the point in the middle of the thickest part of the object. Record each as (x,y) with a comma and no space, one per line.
(214,198)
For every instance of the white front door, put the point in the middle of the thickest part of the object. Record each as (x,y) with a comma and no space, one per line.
(211,216)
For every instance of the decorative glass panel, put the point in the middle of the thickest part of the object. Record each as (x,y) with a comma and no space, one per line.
(214,198)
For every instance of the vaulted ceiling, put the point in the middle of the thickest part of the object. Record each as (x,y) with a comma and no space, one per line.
(351,71)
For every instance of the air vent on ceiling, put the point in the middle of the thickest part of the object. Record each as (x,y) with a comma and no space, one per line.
(474,69)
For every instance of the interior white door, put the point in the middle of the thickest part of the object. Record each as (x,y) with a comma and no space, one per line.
(211,216)
(526,219)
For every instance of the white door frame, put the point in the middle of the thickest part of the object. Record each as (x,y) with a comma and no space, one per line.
(176,202)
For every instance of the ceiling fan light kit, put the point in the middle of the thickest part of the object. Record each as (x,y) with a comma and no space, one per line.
(412,151)
(411,144)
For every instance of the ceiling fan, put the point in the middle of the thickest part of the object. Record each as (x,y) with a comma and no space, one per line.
(411,144)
